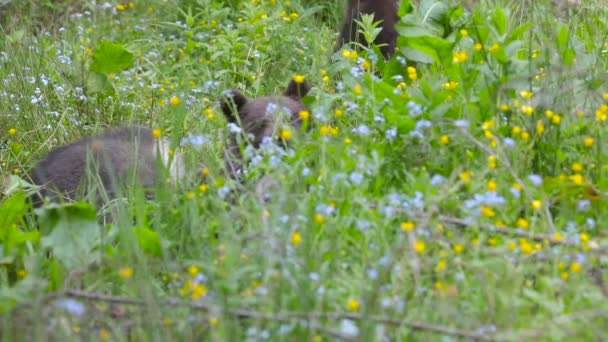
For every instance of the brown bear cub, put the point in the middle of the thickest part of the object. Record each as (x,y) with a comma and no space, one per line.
(109,159)
(383,10)
(262,117)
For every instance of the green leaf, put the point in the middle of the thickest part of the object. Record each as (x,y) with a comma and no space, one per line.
(100,83)
(12,210)
(111,57)
(148,240)
(439,49)
(74,232)
(500,55)
(568,56)
(518,32)
(500,21)
(562,39)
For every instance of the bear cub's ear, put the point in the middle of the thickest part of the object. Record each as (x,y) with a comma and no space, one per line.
(296,90)
(231,104)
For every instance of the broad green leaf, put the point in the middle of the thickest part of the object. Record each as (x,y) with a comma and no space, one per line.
(562,39)
(11,211)
(568,56)
(148,240)
(500,21)
(74,232)
(100,83)
(500,55)
(518,32)
(439,49)
(111,57)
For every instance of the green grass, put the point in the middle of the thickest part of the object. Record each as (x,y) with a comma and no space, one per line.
(415,208)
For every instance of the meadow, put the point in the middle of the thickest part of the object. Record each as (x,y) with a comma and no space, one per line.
(454,192)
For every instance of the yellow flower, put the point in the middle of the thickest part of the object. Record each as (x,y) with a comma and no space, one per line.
(324,130)
(304,115)
(353,304)
(458,248)
(558,236)
(526,246)
(577,178)
(511,245)
(528,110)
(441,265)
(193,270)
(492,162)
(350,54)
(357,89)
(516,130)
(588,141)
(525,135)
(491,185)
(536,204)
(339,112)
(296,238)
(205,171)
(494,47)
(412,73)
(213,320)
(285,134)
(575,267)
(121,7)
(577,167)
(198,290)
(125,272)
(565,275)
(22,273)
(319,219)
(203,188)
(12,131)
(526,94)
(408,226)
(505,107)
(465,176)
(105,334)
(540,127)
(464,32)
(189,195)
(477,47)
(298,78)
(584,237)
(487,211)
(174,100)
(556,119)
(156,132)
(523,223)
(419,246)
(347,141)
(366,64)
(459,56)
(444,139)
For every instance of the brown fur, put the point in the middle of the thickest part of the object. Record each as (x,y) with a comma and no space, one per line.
(254,119)
(383,10)
(114,155)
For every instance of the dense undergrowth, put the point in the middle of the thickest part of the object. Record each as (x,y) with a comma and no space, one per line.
(456,191)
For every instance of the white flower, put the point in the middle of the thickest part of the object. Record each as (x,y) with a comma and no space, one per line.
(461,123)
(234,128)
(356,177)
(349,328)
(537,180)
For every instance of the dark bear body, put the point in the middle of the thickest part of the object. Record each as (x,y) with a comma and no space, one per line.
(262,117)
(111,156)
(383,10)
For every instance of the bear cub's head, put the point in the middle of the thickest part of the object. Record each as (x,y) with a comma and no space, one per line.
(262,118)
